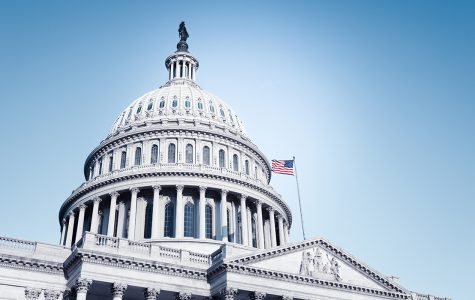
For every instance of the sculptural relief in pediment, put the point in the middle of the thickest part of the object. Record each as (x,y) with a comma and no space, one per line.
(316,264)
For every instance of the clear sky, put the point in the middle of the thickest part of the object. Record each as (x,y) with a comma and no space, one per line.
(376,99)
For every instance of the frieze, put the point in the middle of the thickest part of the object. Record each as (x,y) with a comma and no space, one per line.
(32,265)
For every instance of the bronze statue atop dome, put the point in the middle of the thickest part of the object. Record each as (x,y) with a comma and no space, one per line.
(182,46)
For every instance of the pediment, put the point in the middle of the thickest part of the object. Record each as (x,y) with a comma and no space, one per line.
(318,259)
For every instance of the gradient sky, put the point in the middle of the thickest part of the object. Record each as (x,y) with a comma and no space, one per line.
(376,99)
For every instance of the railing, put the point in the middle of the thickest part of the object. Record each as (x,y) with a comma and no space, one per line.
(16,244)
(144,250)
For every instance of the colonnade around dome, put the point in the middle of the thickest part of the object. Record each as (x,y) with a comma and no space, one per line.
(149,213)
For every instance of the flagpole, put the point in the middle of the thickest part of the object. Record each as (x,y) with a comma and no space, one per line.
(298,193)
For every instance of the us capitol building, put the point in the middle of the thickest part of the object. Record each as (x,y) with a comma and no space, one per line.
(177,205)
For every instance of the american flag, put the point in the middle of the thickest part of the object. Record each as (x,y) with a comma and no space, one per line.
(283,167)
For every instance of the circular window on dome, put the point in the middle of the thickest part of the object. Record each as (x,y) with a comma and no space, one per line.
(187,103)
(162,103)
(174,103)
(211,108)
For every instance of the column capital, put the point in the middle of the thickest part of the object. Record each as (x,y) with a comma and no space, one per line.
(279,217)
(257,295)
(244,196)
(82,207)
(224,192)
(179,188)
(71,214)
(258,202)
(284,297)
(228,293)
(183,296)
(114,194)
(157,188)
(134,190)
(52,295)
(202,189)
(32,293)
(97,200)
(270,209)
(83,285)
(118,289)
(63,221)
(151,293)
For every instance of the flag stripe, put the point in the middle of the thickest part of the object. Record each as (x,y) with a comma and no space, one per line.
(285,167)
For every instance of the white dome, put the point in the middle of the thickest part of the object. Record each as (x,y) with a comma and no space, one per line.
(178,99)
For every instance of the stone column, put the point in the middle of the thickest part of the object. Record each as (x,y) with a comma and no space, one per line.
(280,222)
(244,234)
(32,293)
(257,295)
(273,237)
(224,219)
(155,211)
(183,296)
(260,225)
(151,293)
(133,211)
(286,233)
(112,208)
(69,236)
(79,229)
(82,286)
(202,214)
(121,220)
(63,232)
(51,294)
(228,293)
(95,215)
(172,67)
(118,290)
(140,219)
(179,219)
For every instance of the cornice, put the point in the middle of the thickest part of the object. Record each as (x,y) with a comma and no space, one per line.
(36,265)
(77,194)
(81,256)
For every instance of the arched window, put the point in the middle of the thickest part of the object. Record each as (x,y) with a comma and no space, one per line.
(235,163)
(171,153)
(221,111)
(130,114)
(138,156)
(154,155)
(162,104)
(123,159)
(200,105)
(111,163)
(174,103)
(230,116)
(150,105)
(169,219)
(139,109)
(211,107)
(209,221)
(221,158)
(246,165)
(187,104)
(206,156)
(189,220)
(189,154)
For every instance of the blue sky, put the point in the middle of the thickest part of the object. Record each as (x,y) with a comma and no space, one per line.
(376,99)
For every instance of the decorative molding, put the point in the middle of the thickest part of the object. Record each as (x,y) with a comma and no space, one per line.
(118,289)
(183,296)
(32,293)
(83,285)
(228,293)
(257,295)
(22,263)
(151,293)
(51,294)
